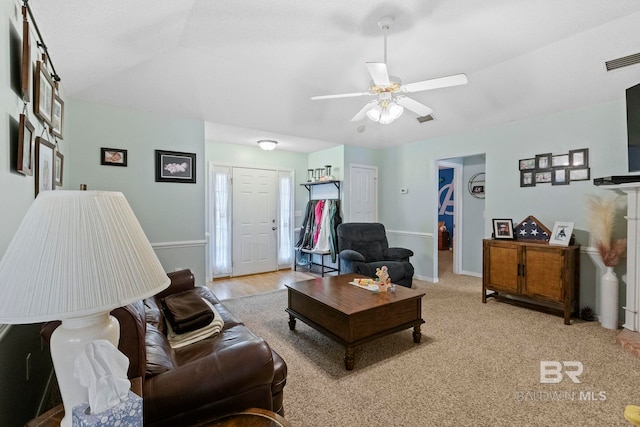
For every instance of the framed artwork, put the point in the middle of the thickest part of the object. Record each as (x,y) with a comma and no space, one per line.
(579,157)
(25,72)
(174,166)
(25,146)
(57,116)
(579,174)
(502,229)
(527,178)
(561,234)
(543,176)
(45,153)
(58,169)
(43,102)
(543,161)
(113,157)
(560,176)
(526,164)
(561,160)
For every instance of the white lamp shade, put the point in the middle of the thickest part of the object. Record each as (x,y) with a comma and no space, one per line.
(76,253)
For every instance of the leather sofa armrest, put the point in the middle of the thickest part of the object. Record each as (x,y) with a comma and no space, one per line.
(185,391)
(351,255)
(182,280)
(398,254)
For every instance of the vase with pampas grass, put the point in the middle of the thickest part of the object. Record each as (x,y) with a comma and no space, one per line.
(601,213)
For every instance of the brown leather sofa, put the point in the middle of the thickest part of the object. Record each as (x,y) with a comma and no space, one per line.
(188,386)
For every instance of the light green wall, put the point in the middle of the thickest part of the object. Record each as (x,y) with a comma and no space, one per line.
(472,218)
(254,157)
(600,128)
(170,213)
(331,156)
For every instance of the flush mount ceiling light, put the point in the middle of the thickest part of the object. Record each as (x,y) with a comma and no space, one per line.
(267,144)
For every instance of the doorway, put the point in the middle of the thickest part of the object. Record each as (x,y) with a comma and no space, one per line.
(249,220)
(467,208)
(363,193)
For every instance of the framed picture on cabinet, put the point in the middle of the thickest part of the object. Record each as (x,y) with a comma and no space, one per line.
(43,102)
(503,229)
(44,164)
(561,234)
(25,146)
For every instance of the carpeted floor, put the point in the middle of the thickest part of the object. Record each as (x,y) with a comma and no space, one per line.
(478,364)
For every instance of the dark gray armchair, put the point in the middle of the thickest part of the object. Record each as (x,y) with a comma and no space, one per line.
(363,247)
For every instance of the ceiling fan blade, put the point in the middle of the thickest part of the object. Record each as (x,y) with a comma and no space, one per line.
(415,106)
(379,73)
(455,80)
(341,95)
(363,111)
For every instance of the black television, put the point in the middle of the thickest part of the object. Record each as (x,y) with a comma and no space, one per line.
(633,127)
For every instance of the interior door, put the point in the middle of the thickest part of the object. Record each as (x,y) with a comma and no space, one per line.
(363,193)
(254,221)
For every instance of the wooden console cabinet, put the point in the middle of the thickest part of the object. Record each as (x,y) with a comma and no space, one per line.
(537,274)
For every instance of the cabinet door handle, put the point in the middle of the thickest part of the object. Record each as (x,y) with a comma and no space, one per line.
(518,269)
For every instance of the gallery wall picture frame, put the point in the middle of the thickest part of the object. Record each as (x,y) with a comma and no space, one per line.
(527,178)
(561,234)
(59,169)
(57,117)
(579,174)
(25,72)
(503,229)
(44,164)
(579,157)
(25,146)
(43,100)
(560,176)
(113,157)
(543,176)
(543,161)
(527,164)
(560,161)
(175,166)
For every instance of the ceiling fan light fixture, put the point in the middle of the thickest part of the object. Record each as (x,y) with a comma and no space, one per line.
(374,113)
(395,110)
(267,144)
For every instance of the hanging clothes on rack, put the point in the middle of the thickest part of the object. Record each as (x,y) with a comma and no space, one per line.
(334,220)
(306,230)
(322,241)
(318,220)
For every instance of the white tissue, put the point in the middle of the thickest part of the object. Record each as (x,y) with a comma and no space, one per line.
(102,368)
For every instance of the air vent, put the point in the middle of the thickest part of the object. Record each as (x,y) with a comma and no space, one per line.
(625,61)
(426,118)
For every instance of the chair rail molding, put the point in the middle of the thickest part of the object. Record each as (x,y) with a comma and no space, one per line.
(179,244)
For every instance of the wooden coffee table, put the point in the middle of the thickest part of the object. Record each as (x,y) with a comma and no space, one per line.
(351,315)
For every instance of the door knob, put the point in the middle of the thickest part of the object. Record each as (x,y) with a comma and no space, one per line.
(274,228)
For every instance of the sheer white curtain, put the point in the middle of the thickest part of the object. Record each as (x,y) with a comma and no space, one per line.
(285,231)
(221,196)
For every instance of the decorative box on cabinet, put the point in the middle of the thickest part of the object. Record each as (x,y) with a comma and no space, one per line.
(537,274)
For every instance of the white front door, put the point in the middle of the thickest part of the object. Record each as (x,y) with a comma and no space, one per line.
(254,221)
(363,193)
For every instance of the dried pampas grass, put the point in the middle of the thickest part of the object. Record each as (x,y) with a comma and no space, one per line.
(601,215)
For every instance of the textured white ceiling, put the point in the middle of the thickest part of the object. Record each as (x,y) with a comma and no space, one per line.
(248,68)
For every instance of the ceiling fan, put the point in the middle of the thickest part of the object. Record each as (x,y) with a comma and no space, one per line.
(391,101)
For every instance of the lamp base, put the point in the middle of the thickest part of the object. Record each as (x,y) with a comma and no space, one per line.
(67,342)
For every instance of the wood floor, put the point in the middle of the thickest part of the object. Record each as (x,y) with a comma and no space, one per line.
(243,286)
(236,287)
